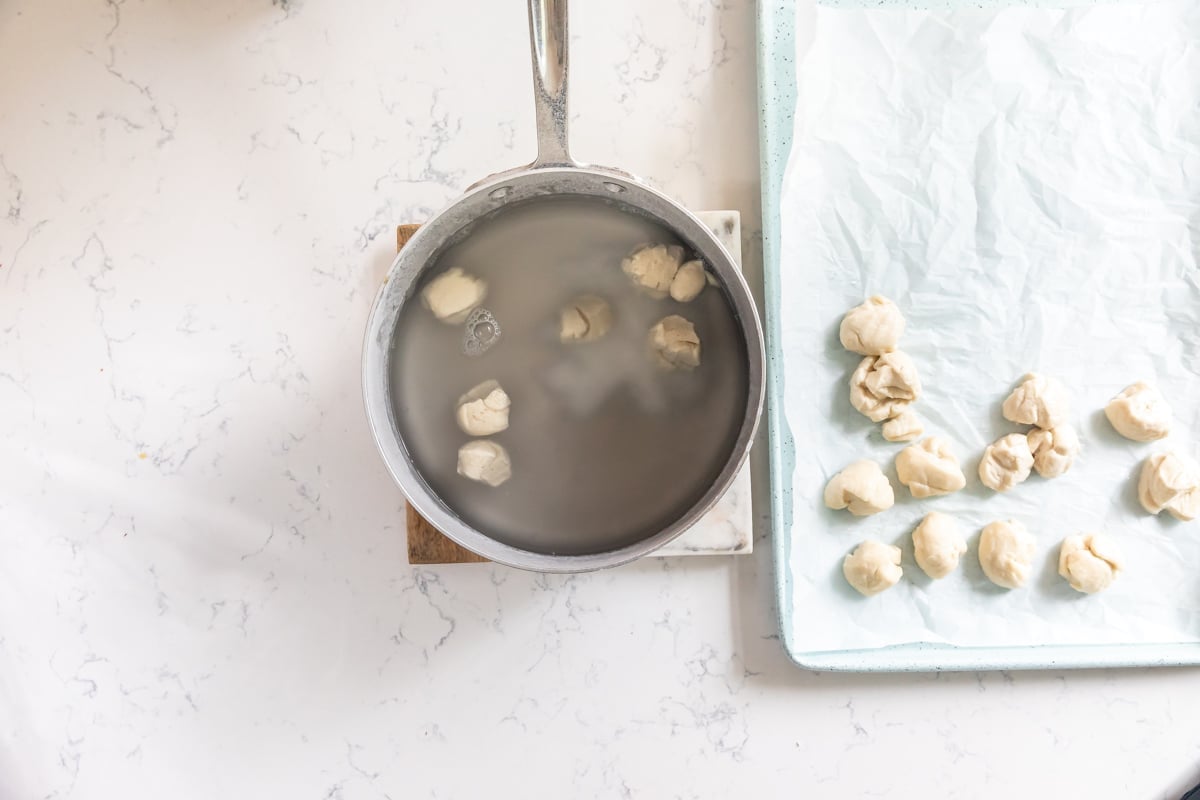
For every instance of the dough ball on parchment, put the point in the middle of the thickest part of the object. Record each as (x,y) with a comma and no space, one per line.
(1170,481)
(884,386)
(938,544)
(872,567)
(861,488)
(1006,462)
(1054,450)
(929,468)
(873,328)
(1140,412)
(1006,553)
(1090,562)
(1039,401)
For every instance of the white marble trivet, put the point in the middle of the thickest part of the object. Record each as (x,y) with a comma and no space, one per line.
(727,528)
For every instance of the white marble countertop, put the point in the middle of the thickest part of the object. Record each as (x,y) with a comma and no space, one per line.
(203,588)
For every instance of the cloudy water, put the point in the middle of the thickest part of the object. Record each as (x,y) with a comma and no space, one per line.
(606,447)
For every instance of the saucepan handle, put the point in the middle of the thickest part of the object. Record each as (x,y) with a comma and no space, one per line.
(548,48)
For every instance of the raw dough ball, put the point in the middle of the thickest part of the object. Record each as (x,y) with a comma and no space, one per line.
(586,319)
(893,376)
(873,328)
(872,567)
(1038,401)
(862,488)
(1006,552)
(674,343)
(883,386)
(1053,450)
(1140,412)
(485,461)
(929,468)
(1006,462)
(689,281)
(653,266)
(483,410)
(453,295)
(904,427)
(938,544)
(1089,562)
(1170,481)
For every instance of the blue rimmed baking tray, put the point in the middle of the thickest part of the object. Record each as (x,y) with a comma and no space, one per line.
(777,104)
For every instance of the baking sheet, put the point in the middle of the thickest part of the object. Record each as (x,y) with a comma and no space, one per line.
(1024,183)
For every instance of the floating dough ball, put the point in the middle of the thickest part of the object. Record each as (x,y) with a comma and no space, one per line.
(1089,562)
(674,343)
(1006,462)
(903,427)
(1140,412)
(689,281)
(1039,401)
(873,328)
(1053,450)
(653,266)
(938,544)
(485,461)
(1170,481)
(862,488)
(882,387)
(483,410)
(1006,553)
(929,468)
(872,567)
(585,319)
(453,295)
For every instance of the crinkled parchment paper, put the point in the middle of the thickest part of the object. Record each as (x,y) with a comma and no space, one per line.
(1025,184)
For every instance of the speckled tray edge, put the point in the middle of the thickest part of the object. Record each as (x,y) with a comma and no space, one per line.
(777,105)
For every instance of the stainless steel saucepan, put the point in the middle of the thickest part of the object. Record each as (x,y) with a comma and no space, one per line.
(552,174)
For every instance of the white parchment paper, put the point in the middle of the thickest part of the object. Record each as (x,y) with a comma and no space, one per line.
(1025,184)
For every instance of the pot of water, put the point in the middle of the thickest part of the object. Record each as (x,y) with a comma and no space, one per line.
(615,441)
